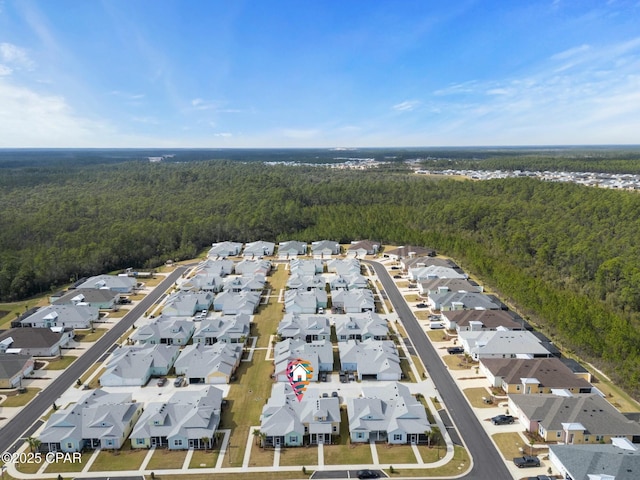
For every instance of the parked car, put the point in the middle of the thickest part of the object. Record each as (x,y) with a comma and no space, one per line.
(540,477)
(422,305)
(455,350)
(502,420)
(323,376)
(334,394)
(368,474)
(397,276)
(526,461)
(162,381)
(343,377)
(178,382)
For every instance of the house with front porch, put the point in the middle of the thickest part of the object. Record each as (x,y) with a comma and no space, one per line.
(224,329)
(305,267)
(258,249)
(309,328)
(301,301)
(102,298)
(99,420)
(353,301)
(287,422)
(188,420)
(362,248)
(13,368)
(219,267)
(134,365)
(435,285)
(297,281)
(387,413)
(224,250)
(165,331)
(502,344)
(117,283)
(532,375)
(446,300)
(319,354)
(203,282)
(209,364)
(64,316)
(291,249)
(325,248)
(371,359)
(433,272)
(344,266)
(361,326)
(183,304)
(253,267)
(252,283)
(36,342)
(230,303)
(572,419)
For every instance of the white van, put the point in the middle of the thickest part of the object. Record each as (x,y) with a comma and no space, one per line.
(436,325)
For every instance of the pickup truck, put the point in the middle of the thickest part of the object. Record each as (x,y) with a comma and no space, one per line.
(502,420)
(526,461)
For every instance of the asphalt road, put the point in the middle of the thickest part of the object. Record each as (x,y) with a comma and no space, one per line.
(22,422)
(487,462)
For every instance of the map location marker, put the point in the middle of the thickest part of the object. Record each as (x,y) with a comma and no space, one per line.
(299,373)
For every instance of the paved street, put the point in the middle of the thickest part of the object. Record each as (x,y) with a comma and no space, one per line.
(45,399)
(487,462)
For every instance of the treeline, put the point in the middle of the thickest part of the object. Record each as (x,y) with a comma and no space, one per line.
(566,254)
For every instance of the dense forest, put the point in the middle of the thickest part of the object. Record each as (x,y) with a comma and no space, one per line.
(567,255)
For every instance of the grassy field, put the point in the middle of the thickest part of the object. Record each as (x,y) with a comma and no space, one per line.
(345,452)
(457,362)
(299,456)
(62,467)
(123,459)
(437,335)
(164,459)
(475,396)
(13,309)
(412,297)
(252,388)
(509,444)
(61,363)
(20,399)
(261,457)
(615,395)
(88,335)
(395,454)
(457,466)
(204,458)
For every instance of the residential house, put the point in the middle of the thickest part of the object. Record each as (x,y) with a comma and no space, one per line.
(572,419)
(64,316)
(446,300)
(116,283)
(502,344)
(253,283)
(619,460)
(225,329)
(353,301)
(258,249)
(325,248)
(387,413)
(214,364)
(348,266)
(481,320)
(203,282)
(408,251)
(319,354)
(531,376)
(187,304)
(424,261)
(371,359)
(362,248)
(432,272)
(287,422)
(99,420)
(224,250)
(308,328)
(291,249)
(35,342)
(219,267)
(305,267)
(253,267)
(188,420)
(353,281)
(230,303)
(361,326)
(13,368)
(297,281)
(134,365)
(301,301)
(102,298)
(165,331)
(429,287)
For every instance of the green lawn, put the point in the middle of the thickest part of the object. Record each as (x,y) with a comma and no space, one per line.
(123,459)
(62,467)
(20,399)
(61,363)
(457,466)
(345,452)
(204,458)
(164,459)
(299,456)
(395,453)
(509,444)
(88,335)
(457,362)
(437,335)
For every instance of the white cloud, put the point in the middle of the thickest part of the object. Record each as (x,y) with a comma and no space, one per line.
(406,106)
(223,134)
(4,70)
(572,52)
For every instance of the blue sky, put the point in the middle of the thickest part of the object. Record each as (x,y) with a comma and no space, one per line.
(329,73)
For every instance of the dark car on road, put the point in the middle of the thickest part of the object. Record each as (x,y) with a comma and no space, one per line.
(368,474)
(455,350)
(502,420)
(540,477)
(526,461)
(178,382)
